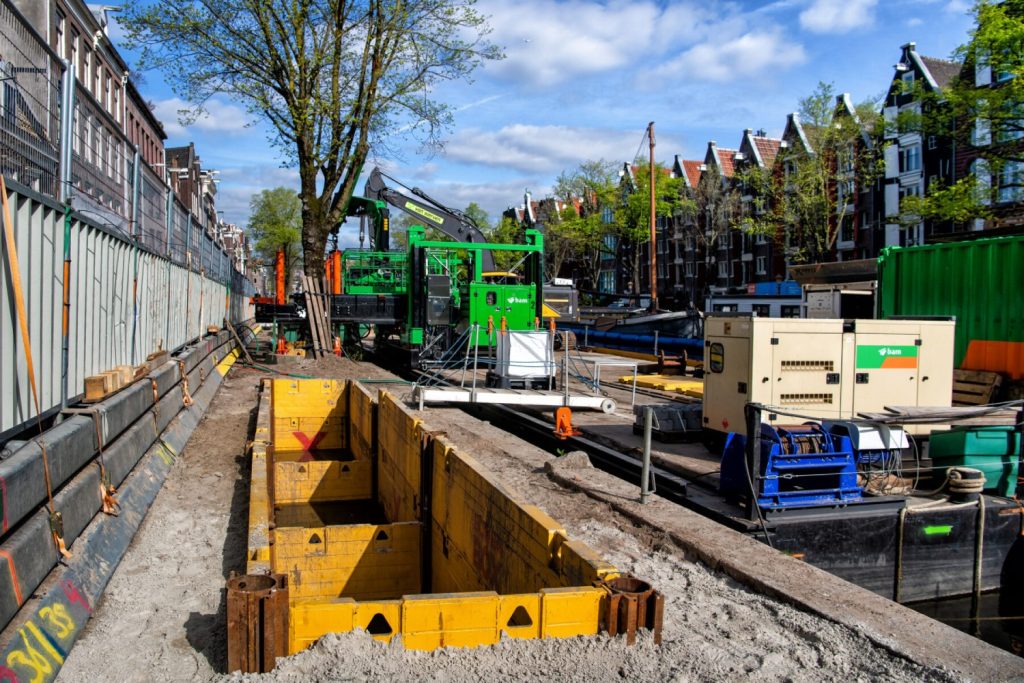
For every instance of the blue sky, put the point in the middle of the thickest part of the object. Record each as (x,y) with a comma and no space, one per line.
(582,79)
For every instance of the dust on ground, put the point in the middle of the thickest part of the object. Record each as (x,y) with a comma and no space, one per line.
(163,615)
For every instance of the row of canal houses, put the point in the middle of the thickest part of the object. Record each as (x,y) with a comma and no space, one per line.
(713,272)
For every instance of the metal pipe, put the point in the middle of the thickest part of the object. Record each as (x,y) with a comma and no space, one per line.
(565,366)
(476,356)
(753,414)
(645,471)
(67,132)
(136,234)
(65,340)
(654,235)
(1019,493)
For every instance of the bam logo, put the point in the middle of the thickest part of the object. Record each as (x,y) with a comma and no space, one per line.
(886,357)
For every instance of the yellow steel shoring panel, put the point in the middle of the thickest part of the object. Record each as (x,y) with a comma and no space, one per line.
(322,480)
(361,408)
(497,563)
(361,561)
(399,458)
(308,414)
(258,553)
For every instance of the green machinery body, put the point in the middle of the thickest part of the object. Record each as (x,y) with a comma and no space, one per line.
(422,300)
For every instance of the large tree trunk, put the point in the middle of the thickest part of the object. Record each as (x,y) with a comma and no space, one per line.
(315,229)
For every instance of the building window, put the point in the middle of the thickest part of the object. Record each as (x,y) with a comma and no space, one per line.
(761,238)
(117,102)
(979,169)
(847,227)
(790,311)
(932,143)
(910,191)
(106,91)
(761,310)
(1011,182)
(58,34)
(723,268)
(86,66)
(845,189)
(910,159)
(689,269)
(908,78)
(761,263)
(74,53)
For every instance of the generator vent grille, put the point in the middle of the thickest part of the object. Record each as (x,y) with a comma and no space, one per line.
(826,365)
(790,399)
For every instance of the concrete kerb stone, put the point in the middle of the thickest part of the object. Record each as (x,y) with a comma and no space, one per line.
(899,629)
(70,445)
(75,587)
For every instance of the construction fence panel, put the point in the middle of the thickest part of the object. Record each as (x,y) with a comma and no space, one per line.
(30,94)
(107,325)
(152,218)
(102,168)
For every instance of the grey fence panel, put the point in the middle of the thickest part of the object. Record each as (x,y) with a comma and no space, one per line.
(179,232)
(169,306)
(153,211)
(30,78)
(101,168)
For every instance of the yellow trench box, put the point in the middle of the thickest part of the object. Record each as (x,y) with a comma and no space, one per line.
(377,523)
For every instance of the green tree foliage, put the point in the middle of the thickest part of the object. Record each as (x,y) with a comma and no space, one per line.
(633,214)
(593,186)
(507,231)
(331,78)
(815,183)
(275,222)
(713,210)
(477,215)
(989,118)
(960,202)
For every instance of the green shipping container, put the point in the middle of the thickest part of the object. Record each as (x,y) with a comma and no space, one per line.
(993,450)
(979,282)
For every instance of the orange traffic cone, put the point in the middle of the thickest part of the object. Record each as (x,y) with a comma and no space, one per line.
(281,348)
(337,346)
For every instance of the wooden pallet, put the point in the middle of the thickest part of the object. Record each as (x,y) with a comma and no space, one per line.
(975,387)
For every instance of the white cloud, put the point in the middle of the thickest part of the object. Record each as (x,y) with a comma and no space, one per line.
(958,6)
(837,16)
(548,42)
(218,117)
(239,183)
(727,59)
(913,22)
(545,149)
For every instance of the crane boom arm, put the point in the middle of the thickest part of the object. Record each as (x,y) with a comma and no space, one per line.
(451,222)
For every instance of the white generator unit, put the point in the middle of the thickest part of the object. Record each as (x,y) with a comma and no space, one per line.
(822,369)
(524,359)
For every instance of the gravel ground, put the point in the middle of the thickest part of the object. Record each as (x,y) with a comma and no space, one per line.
(163,615)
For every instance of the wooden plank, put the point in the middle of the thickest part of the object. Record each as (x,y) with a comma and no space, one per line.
(979,376)
(323,343)
(314,316)
(245,351)
(310,317)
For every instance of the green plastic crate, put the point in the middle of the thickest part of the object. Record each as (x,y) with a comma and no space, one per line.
(993,450)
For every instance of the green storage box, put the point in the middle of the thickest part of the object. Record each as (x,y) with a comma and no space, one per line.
(993,450)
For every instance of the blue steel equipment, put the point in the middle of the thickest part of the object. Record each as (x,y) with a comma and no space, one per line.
(799,466)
